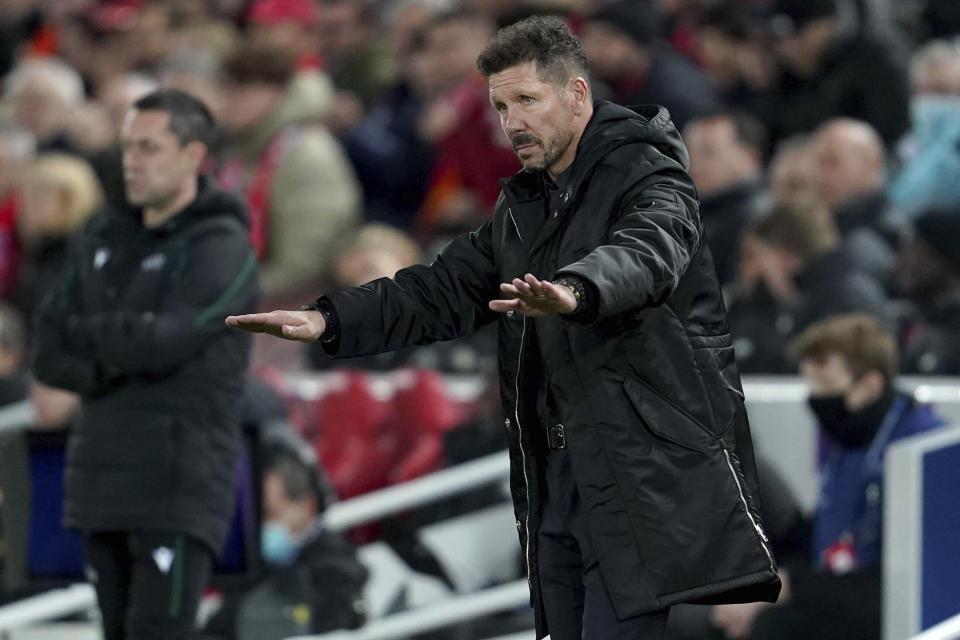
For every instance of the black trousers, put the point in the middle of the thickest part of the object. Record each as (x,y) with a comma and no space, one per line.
(575,598)
(148,583)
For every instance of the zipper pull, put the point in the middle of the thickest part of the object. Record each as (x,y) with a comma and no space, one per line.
(760,532)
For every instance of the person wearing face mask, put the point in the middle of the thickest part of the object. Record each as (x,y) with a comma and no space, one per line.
(849,363)
(313,579)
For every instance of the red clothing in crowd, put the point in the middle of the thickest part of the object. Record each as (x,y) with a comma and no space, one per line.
(472,157)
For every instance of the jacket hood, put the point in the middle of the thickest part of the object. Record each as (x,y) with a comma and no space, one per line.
(613,126)
(306,101)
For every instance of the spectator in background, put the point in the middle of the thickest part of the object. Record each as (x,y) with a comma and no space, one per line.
(792,171)
(13,339)
(60,192)
(355,55)
(726,157)
(850,173)
(829,72)
(196,71)
(18,20)
(935,69)
(803,276)
(16,152)
(849,363)
(929,175)
(314,580)
(471,152)
(620,39)
(391,158)
(735,57)
(943,17)
(133,327)
(928,273)
(379,251)
(288,27)
(43,93)
(300,189)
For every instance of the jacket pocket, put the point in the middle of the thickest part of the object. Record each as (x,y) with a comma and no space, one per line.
(666,420)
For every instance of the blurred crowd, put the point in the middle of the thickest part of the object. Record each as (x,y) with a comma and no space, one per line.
(823,139)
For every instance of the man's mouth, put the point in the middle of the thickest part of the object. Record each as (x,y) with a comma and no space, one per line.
(524,144)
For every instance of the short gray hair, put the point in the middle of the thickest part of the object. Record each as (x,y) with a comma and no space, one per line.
(17,143)
(55,73)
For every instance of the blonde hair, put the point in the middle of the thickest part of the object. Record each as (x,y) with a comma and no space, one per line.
(382,237)
(74,178)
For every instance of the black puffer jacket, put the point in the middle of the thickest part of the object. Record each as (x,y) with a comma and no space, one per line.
(649,392)
(136,327)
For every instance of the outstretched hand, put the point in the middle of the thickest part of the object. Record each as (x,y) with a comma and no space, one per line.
(303,326)
(535,298)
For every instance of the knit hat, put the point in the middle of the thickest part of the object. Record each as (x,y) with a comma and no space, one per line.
(632,18)
(789,16)
(941,230)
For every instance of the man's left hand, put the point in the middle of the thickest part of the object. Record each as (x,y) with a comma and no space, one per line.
(535,298)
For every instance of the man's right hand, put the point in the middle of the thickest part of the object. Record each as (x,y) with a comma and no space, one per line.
(302,326)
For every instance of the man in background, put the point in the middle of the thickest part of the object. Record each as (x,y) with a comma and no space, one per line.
(801,274)
(851,170)
(300,189)
(849,363)
(621,41)
(830,70)
(726,157)
(313,580)
(133,327)
(928,273)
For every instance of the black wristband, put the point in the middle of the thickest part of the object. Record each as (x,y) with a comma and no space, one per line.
(586,310)
(331,330)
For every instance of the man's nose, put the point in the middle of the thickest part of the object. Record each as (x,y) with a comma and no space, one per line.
(513,121)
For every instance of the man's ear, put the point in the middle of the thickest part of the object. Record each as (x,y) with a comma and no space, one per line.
(580,94)
(196,152)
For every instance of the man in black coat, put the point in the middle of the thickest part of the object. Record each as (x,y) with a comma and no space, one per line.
(620,39)
(726,157)
(632,468)
(803,275)
(133,326)
(928,273)
(829,71)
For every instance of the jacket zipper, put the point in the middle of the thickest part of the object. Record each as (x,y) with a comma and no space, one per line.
(756,527)
(516,416)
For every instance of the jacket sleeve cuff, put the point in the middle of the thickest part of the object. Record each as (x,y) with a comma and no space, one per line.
(588,303)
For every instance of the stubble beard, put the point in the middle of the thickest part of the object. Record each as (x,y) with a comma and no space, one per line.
(555,147)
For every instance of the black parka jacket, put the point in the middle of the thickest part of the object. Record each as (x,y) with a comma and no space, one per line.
(648,391)
(135,326)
